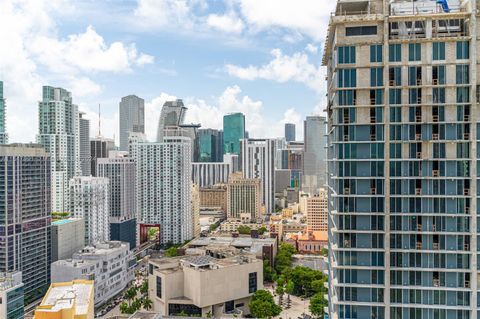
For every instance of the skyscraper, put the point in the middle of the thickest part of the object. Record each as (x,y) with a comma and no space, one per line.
(25,216)
(402,148)
(99,148)
(233,132)
(315,155)
(90,201)
(290,132)
(3,109)
(257,158)
(84,144)
(132,118)
(209,143)
(244,196)
(59,134)
(164,185)
(173,114)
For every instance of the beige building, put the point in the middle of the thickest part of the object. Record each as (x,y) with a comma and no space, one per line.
(214,197)
(317,212)
(196,210)
(217,283)
(232,224)
(244,195)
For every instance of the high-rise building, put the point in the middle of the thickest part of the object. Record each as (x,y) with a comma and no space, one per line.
(164,185)
(100,147)
(290,134)
(195,211)
(258,161)
(214,198)
(91,202)
(209,174)
(191,131)
(68,300)
(173,114)
(68,237)
(25,215)
(84,144)
(244,196)
(132,118)
(233,132)
(209,144)
(59,134)
(317,212)
(3,125)
(402,148)
(315,155)
(11,295)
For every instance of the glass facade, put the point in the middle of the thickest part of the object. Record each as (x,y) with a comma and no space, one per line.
(233,132)
(210,148)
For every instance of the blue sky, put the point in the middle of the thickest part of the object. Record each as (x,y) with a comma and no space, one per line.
(259,57)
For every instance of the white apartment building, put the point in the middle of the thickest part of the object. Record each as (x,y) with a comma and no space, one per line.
(90,200)
(164,185)
(110,264)
(68,237)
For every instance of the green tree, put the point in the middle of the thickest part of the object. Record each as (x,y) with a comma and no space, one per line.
(324,252)
(262,305)
(147,303)
(262,230)
(317,304)
(171,252)
(269,274)
(280,290)
(144,287)
(242,229)
(284,258)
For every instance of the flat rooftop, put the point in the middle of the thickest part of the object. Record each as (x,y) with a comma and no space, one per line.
(67,295)
(253,244)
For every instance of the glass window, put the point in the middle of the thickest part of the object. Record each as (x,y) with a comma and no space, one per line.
(414,52)
(462,73)
(438,50)
(395,52)
(415,75)
(159,287)
(438,74)
(346,54)
(347,78)
(463,50)
(252,282)
(376,77)
(395,96)
(395,114)
(363,30)
(376,53)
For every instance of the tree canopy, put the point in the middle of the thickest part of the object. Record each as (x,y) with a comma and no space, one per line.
(262,305)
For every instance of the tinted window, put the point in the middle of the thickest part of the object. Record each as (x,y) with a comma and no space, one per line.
(365,30)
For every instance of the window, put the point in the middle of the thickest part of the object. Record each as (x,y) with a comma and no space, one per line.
(159,287)
(252,282)
(395,114)
(414,52)
(463,50)
(376,77)
(347,97)
(415,75)
(347,78)
(346,54)
(438,74)
(376,54)
(462,73)
(363,30)
(395,76)
(395,96)
(438,50)
(395,52)
(463,95)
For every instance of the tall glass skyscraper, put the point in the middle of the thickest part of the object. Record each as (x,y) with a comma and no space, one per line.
(132,118)
(233,132)
(3,128)
(290,132)
(209,145)
(315,154)
(403,153)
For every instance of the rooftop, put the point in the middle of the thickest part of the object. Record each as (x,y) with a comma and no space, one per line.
(253,244)
(9,280)
(65,221)
(67,295)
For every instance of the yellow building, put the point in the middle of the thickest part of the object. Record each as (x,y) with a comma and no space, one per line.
(287,213)
(68,300)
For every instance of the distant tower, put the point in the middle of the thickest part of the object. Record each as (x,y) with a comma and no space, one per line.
(233,132)
(84,144)
(289,132)
(173,114)
(132,118)
(3,128)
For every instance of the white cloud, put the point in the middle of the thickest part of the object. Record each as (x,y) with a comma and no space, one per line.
(284,68)
(83,86)
(228,23)
(311,48)
(162,13)
(152,114)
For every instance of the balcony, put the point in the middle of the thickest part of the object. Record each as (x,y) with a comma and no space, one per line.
(436,118)
(418,245)
(419,155)
(418,191)
(466,192)
(373,191)
(435,136)
(418,118)
(418,136)
(435,173)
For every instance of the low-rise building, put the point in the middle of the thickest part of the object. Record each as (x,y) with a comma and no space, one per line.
(311,242)
(68,237)
(68,300)
(216,283)
(232,224)
(110,265)
(11,295)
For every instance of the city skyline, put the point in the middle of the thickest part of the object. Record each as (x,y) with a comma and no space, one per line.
(215,68)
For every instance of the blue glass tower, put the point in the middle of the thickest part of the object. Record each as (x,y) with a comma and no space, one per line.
(233,132)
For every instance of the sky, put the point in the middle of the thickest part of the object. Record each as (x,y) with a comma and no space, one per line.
(258,57)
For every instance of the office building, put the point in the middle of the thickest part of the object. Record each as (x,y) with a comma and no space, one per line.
(110,264)
(58,132)
(209,140)
(214,197)
(244,195)
(315,154)
(199,285)
(25,215)
(233,160)
(91,201)
(11,295)
(209,174)
(68,237)
(84,144)
(124,229)
(100,147)
(258,161)
(233,132)
(317,212)
(68,300)
(172,114)
(191,131)
(3,111)
(132,118)
(195,211)
(290,133)
(403,159)
(163,182)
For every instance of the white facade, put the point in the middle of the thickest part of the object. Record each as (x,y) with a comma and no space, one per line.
(164,185)
(111,265)
(258,161)
(90,200)
(68,237)
(206,174)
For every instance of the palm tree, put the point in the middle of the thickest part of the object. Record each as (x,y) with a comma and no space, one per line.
(144,288)
(147,303)
(130,294)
